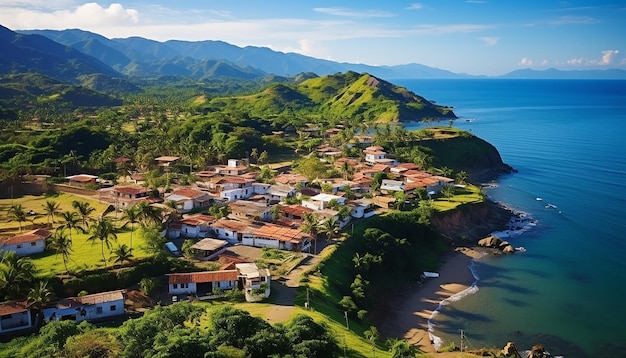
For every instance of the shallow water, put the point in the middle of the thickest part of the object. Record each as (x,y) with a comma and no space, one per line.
(566,139)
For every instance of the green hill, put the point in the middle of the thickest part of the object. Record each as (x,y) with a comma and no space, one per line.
(344,95)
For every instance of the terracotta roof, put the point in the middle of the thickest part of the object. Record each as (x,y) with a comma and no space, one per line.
(166,158)
(229,225)
(202,277)
(130,189)
(101,297)
(121,160)
(374,148)
(408,166)
(82,178)
(281,233)
(198,219)
(189,193)
(290,178)
(296,210)
(31,236)
(13,307)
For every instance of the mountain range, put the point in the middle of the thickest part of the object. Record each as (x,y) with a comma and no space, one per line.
(70,55)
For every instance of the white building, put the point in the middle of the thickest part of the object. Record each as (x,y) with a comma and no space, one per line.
(321,201)
(202,283)
(256,282)
(188,199)
(29,243)
(92,307)
(278,237)
(15,316)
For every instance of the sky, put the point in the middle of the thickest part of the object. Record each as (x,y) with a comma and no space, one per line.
(478,37)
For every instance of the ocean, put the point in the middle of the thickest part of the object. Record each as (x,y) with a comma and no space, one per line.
(567,139)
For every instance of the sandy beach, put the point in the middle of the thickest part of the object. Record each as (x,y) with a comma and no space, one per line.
(409,311)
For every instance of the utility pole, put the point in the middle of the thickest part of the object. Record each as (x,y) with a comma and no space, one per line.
(345,314)
(307,299)
(462,336)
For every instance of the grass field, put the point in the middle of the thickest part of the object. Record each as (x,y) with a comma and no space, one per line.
(469,194)
(85,255)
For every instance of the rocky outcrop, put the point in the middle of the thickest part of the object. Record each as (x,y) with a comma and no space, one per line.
(495,242)
(510,350)
(471,222)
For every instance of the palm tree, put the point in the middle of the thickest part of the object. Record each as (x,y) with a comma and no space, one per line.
(16,274)
(121,254)
(84,210)
(329,228)
(17,213)
(40,295)
(104,231)
(148,213)
(62,244)
(51,208)
(131,215)
(309,226)
(71,221)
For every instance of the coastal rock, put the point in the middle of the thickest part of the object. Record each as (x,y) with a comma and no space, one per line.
(472,222)
(510,350)
(508,249)
(490,241)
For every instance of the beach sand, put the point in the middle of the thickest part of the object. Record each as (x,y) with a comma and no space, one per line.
(409,311)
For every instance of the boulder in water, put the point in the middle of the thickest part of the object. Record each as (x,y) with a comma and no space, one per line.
(510,350)
(490,241)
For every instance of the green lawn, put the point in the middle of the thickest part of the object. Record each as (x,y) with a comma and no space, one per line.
(469,194)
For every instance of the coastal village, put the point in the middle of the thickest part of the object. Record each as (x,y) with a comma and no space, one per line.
(227,206)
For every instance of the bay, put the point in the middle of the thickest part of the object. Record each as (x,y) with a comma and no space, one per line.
(566,138)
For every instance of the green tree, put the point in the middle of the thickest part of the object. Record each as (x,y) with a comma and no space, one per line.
(17,213)
(103,231)
(399,348)
(121,254)
(448,191)
(187,249)
(461,177)
(40,295)
(16,274)
(84,210)
(71,220)
(132,216)
(51,208)
(310,226)
(372,335)
(149,214)
(330,228)
(400,197)
(62,245)
(263,157)
(154,243)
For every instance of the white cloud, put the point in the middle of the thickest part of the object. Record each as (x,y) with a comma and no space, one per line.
(345,12)
(89,15)
(608,56)
(527,62)
(490,40)
(573,20)
(414,6)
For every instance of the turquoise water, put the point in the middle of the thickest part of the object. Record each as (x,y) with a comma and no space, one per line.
(567,139)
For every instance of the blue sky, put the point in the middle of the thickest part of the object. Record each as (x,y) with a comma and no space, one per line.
(471,36)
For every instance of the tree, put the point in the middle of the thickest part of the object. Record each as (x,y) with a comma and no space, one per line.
(154,243)
(187,249)
(16,274)
(461,177)
(51,208)
(121,254)
(149,214)
(40,295)
(62,245)
(448,191)
(84,210)
(131,215)
(329,228)
(103,231)
(309,226)
(372,335)
(71,221)
(399,348)
(17,213)
(400,197)
(263,157)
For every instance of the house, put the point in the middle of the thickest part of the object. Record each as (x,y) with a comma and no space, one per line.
(207,249)
(127,196)
(321,201)
(230,230)
(29,243)
(166,161)
(188,199)
(94,307)
(256,282)
(250,211)
(279,237)
(234,167)
(291,179)
(362,208)
(389,185)
(202,283)
(15,316)
(82,180)
(197,225)
(278,193)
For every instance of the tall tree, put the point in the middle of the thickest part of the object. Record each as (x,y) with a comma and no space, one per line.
(149,214)
(84,210)
(51,208)
(71,220)
(16,274)
(62,245)
(310,226)
(40,295)
(17,213)
(104,231)
(329,228)
(121,254)
(131,215)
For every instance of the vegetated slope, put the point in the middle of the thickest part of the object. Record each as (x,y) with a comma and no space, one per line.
(345,95)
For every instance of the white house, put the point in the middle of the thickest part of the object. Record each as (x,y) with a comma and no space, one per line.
(28,243)
(15,316)
(279,237)
(256,282)
(188,199)
(230,230)
(278,193)
(321,201)
(202,283)
(126,196)
(197,225)
(92,307)
(361,209)
(208,249)
(391,185)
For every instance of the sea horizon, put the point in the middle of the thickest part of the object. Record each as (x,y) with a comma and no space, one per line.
(564,138)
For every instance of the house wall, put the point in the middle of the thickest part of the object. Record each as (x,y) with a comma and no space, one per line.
(237,194)
(91,312)
(260,242)
(15,321)
(26,248)
(228,235)
(182,288)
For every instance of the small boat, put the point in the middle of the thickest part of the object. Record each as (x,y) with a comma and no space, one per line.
(427,274)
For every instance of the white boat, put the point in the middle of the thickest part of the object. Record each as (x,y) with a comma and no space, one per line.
(427,274)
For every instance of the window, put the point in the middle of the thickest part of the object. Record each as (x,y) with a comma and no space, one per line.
(113,307)
(19,246)
(99,310)
(33,243)
(175,285)
(262,278)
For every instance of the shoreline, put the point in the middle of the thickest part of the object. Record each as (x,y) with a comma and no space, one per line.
(410,311)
